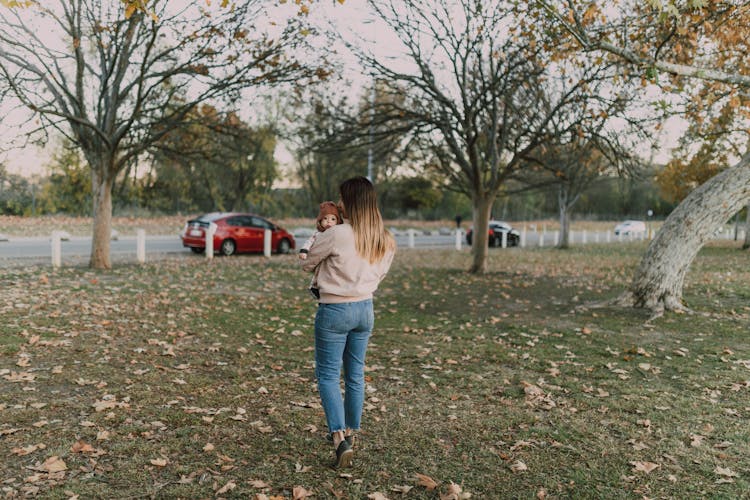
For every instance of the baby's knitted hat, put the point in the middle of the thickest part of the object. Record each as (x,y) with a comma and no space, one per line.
(327,208)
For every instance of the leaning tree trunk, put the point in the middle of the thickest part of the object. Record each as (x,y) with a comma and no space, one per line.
(479,237)
(659,280)
(101,190)
(746,243)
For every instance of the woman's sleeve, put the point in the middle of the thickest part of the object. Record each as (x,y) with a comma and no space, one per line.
(323,247)
(386,264)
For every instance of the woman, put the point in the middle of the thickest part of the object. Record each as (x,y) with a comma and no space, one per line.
(351,260)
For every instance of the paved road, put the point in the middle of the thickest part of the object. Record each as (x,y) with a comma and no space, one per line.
(17,248)
(124,248)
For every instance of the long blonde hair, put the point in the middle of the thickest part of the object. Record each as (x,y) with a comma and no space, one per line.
(371,239)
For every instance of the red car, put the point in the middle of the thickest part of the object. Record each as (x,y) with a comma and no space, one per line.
(235,233)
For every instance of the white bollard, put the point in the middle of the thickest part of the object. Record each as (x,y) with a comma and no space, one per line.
(459,233)
(140,247)
(596,237)
(209,241)
(541,239)
(583,237)
(267,242)
(504,240)
(411,238)
(56,249)
(522,242)
(608,238)
(557,237)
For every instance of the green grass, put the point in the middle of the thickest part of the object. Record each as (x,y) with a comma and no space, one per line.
(208,365)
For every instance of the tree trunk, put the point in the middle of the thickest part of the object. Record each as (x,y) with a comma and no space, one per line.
(659,280)
(479,237)
(101,191)
(746,243)
(562,201)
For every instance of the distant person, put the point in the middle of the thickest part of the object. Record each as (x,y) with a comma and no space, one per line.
(350,259)
(328,216)
(458,221)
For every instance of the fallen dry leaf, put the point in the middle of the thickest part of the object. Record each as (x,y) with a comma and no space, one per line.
(159,462)
(403,489)
(518,466)
(300,493)
(53,464)
(646,467)
(81,446)
(454,492)
(227,487)
(725,471)
(377,496)
(27,449)
(426,481)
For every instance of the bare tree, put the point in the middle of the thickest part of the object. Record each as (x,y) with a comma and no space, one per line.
(335,139)
(704,42)
(573,168)
(115,81)
(484,88)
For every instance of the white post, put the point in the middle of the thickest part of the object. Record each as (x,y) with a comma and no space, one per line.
(557,237)
(504,240)
(210,231)
(522,243)
(608,238)
(541,239)
(411,238)
(267,242)
(583,237)
(140,250)
(56,249)
(596,237)
(459,233)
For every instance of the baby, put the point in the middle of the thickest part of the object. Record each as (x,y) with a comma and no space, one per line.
(328,216)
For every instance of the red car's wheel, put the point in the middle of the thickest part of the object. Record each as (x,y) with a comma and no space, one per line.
(283,246)
(228,247)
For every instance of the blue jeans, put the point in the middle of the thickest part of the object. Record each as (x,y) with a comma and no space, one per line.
(341,335)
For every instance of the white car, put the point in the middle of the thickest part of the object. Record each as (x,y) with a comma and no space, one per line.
(629,227)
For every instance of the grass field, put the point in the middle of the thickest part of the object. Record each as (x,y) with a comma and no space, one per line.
(193,379)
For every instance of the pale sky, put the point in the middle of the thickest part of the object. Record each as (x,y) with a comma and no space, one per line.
(351,18)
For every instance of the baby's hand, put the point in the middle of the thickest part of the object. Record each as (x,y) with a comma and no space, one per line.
(302,256)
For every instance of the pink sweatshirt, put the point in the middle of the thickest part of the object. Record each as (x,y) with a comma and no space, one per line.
(344,276)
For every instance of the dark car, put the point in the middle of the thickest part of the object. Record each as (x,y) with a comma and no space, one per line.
(496,230)
(235,233)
